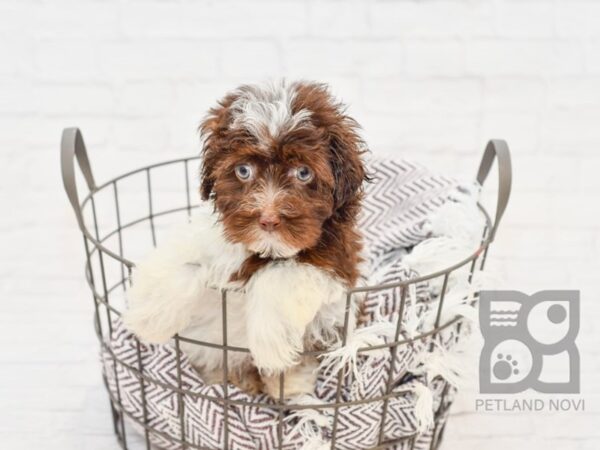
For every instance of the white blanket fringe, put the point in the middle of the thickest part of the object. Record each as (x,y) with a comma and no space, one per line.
(423,407)
(457,302)
(456,366)
(309,422)
(346,358)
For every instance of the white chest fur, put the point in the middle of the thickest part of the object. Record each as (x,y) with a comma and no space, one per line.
(177,289)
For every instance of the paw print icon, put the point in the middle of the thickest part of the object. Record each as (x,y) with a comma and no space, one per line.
(529,342)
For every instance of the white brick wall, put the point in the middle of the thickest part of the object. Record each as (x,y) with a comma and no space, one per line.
(430,80)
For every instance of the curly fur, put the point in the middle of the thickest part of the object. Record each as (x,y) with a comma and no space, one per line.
(293,278)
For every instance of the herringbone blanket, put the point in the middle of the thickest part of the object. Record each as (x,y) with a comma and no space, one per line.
(403,210)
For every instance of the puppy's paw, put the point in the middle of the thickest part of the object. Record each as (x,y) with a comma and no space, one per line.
(245,377)
(248,380)
(283,298)
(162,300)
(273,347)
(298,380)
(148,329)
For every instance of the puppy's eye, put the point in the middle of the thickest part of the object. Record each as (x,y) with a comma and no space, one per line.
(243,171)
(303,174)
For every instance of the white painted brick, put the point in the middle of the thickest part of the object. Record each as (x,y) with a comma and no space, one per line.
(317,58)
(213,19)
(518,242)
(424,96)
(338,18)
(184,137)
(145,98)
(577,18)
(523,57)
(478,425)
(585,444)
(513,94)
(74,99)
(574,131)
(589,180)
(48,130)
(500,442)
(519,129)
(15,16)
(348,90)
(195,97)
(55,399)
(574,92)
(393,18)
(575,210)
(264,18)
(422,136)
(533,276)
(592,57)
(525,18)
(530,209)
(155,19)
(26,170)
(257,59)
(16,56)
(13,98)
(73,20)
(12,129)
(149,60)
(583,425)
(378,58)
(431,19)
(435,58)
(68,60)
(544,174)
(143,135)
(529,244)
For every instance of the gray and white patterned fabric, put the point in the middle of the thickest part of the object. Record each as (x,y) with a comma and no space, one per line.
(397,206)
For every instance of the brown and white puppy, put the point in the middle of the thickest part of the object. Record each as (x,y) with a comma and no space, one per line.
(282,165)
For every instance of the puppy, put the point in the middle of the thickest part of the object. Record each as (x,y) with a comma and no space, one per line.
(282,166)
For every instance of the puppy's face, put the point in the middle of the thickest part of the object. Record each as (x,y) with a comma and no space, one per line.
(274,198)
(280,161)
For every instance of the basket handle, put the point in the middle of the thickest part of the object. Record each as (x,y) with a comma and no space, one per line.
(71,147)
(497,149)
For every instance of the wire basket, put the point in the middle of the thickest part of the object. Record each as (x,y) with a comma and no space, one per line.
(126,210)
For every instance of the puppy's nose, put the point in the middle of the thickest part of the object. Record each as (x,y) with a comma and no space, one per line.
(269,222)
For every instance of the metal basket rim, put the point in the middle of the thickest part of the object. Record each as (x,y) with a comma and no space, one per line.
(98,243)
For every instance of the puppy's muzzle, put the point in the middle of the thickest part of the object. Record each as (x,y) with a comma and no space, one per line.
(269,221)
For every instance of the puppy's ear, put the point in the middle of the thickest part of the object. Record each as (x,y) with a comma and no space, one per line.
(213,134)
(347,148)
(207,133)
